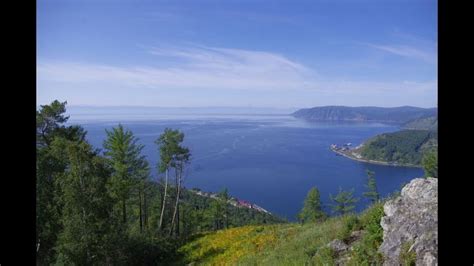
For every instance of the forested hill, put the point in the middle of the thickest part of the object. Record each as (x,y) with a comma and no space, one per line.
(406,147)
(425,123)
(397,115)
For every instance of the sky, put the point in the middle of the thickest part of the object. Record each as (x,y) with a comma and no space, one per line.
(280,54)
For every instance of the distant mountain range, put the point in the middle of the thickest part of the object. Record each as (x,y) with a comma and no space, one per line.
(398,115)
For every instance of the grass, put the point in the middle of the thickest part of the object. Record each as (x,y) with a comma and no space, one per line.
(289,244)
(407,258)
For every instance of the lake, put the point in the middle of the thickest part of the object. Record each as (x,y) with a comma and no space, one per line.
(270,160)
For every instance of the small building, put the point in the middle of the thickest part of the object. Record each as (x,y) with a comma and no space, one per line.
(244,203)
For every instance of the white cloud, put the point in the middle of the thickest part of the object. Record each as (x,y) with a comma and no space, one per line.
(217,70)
(408,51)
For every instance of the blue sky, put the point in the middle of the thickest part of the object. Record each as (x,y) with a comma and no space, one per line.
(237,53)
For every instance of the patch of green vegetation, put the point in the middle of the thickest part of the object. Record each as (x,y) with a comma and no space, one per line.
(351,223)
(424,123)
(402,147)
(289,244)
(407,257)
(365,251)
(324,256)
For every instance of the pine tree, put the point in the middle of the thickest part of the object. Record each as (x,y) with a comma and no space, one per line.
(129,166)
(344,202)
(312,210)
(371,193)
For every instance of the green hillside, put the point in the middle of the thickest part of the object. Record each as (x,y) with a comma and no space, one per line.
(291,244)
(425,123)
(402,147)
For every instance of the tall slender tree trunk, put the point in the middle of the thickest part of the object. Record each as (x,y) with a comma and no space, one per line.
(164,201)
(140,207)
(177,222)
(178,190)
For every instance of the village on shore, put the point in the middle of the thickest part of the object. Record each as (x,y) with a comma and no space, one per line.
(233,201)
(346,150)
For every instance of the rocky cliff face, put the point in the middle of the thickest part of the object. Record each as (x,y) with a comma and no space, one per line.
(412,219)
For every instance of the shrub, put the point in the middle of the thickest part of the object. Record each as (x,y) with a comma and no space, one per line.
(351,223)
(407,258)
(366,250)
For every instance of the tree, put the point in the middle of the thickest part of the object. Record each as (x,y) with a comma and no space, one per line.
(170,150)
(181,159)
(224,198)
(88,225)
(430,163)
(216,214)
(371,193)
(344,202)
(50,121)
(130,168)
(312,211)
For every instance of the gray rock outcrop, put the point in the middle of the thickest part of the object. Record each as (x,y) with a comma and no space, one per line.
(412,218)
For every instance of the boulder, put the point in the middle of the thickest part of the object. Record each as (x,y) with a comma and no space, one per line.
(338,246)
(412,218)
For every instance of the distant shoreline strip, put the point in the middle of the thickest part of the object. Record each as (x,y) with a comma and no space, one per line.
(373,161)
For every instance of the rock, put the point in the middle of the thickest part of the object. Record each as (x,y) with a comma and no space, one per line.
(412,217)
(356,235)
(338,246)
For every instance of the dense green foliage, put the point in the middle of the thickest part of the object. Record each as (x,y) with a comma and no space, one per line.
(208,214)
(365,251)
(104,209)
(430,163)
(402,147)
(425,123)
(398,115)
(344,202)
(129,168)
(312,210)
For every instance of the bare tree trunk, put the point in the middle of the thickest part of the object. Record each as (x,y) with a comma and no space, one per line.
(177,222)
(178,190)
(164,201)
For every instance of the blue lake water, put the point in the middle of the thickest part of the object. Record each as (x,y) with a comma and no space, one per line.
(270,160)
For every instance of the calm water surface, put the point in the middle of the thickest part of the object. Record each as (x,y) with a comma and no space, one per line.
(270,160)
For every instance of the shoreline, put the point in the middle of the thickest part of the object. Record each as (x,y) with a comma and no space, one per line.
(350,156)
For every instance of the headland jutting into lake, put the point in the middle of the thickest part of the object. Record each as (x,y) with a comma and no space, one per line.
(354,154)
